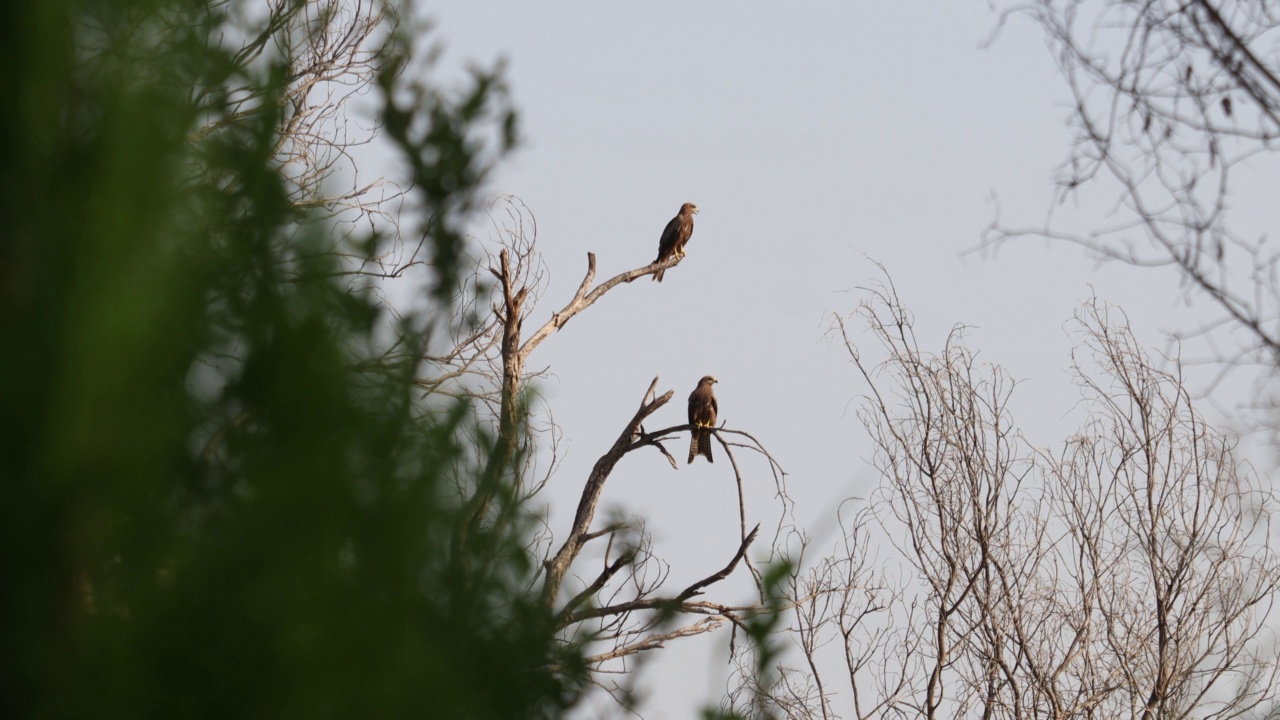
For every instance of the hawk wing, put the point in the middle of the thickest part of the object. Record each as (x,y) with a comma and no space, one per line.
(674,236)
(668,245)
(684,232)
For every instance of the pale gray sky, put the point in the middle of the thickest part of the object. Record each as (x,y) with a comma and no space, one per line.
(810,137)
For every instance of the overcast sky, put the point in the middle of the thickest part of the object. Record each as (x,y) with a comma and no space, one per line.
(813,139)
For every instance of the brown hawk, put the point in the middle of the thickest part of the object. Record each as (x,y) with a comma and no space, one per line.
(702,417)
(675,236)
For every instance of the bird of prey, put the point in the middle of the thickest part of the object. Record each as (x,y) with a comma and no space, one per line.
(702,416)
(675,236)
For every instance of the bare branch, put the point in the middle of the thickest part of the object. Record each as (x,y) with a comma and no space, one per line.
(1176,105)
(658,640)
(583,298)
(559,564)
(678,602)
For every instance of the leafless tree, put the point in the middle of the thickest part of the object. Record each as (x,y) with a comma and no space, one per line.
(329,53)
(622,608)
(1176,109)
(334,62)
(1127,574)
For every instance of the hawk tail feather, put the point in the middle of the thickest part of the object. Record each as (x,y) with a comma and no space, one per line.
(658,275)
(700,444)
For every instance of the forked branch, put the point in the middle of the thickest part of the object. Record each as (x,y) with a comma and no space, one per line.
(679,603)
(585,297)
(558,565)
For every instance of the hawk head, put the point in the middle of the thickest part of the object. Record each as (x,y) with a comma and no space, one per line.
(708,380)
(688,209)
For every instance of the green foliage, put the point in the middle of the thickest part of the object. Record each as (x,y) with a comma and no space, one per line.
(211,503)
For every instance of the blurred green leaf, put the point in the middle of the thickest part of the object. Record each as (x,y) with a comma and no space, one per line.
(210,505)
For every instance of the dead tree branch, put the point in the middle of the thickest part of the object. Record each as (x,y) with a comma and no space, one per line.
(674,604)
(559,564)
(1176,108)
(585,297)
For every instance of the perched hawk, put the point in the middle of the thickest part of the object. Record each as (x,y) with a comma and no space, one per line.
(702,415)
(675,236)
